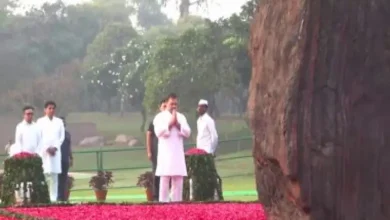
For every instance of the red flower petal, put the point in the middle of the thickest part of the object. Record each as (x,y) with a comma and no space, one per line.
(195,151)
(23,155)
(226,211)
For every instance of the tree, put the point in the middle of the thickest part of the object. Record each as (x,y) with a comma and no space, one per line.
(124,74)
(117,11)
(62,86)
(236,29)
(113,37)
(184,5)
(158,33)
(149,13)
(6,7)
(133,62)
(50,36)
(320,78)
(193,65)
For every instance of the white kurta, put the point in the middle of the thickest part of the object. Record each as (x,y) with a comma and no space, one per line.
(28,139)
(207,138)
(13,149)
(170,157)
(53,134)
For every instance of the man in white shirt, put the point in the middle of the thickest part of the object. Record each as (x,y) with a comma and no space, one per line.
(53,134)
(207,138)
(171,128)
(27,134)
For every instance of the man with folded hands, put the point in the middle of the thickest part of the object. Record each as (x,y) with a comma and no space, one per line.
(171,128)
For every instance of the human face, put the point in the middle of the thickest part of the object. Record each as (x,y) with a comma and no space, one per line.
(28,115)
(172,104)
(201,109)
(50,110)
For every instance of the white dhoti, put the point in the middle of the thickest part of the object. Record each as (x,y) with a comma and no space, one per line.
(171,165)
(176,188)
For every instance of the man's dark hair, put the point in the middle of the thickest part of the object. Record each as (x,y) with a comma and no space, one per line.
(172,96)
(49,103)
(28,107)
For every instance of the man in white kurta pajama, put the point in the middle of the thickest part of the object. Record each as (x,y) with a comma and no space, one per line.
(53,134)
(171,128)
(27,134)
(207,138)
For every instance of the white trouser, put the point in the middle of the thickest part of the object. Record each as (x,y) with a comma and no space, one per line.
(176,188)
(52,180)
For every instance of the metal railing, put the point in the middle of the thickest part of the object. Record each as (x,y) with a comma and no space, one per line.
(101,151)
(83,163)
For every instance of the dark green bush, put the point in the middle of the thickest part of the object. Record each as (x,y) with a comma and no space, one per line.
(24,170)
(205,180)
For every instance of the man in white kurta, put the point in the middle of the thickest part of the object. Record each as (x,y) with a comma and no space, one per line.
(207,138)
(53,134)
(171,128)
(27,135)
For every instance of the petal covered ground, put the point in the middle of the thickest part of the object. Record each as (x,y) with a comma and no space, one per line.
(226,211)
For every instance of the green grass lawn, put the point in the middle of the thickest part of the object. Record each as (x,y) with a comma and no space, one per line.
(228,166)
(235,169)
(230,186)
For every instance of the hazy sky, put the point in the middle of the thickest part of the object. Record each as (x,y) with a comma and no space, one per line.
(214,10)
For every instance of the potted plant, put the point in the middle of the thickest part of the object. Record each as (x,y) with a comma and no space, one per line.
(70,184)
(100,183)
(145,180)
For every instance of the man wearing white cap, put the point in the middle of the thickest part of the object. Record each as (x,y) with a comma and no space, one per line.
(207,138)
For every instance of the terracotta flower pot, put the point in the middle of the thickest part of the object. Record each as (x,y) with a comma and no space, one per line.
(101,195)
(149,194)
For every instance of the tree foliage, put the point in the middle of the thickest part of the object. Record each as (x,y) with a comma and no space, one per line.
(60,86)
(195,58)
(192,65)
(184,5)
(112,37)
(149,13)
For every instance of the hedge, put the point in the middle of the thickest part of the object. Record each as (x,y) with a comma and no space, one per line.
(24,169)
(205,180)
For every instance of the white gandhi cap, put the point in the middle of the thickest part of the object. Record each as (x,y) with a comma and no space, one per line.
(203,102)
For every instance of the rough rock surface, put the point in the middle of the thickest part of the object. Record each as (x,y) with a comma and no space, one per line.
(92,141)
